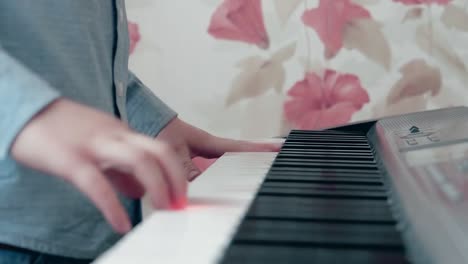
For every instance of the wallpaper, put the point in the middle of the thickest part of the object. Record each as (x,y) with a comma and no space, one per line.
(257,68)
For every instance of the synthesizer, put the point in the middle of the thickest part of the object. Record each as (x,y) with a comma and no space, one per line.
(390,190)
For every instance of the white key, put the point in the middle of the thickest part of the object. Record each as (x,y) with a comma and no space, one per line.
(218,201)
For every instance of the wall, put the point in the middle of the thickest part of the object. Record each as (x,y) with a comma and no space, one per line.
(230,66)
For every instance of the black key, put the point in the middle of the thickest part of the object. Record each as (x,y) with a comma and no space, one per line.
(327,139)
(331,137)
(325,152)
(349,175)
(240,253)
(344,136)
(285,232)
(324,186)
(326,171)
(324,145)
(287,149)
(325,180)
(279,163)
(326,161)
(321,209)
(331,156)
(321,193)
(341,141)
(336,140)
(294,135)
(325,132)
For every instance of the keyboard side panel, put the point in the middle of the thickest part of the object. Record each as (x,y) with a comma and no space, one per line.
(424,157)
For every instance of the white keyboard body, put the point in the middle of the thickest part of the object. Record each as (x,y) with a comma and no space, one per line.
(199,234)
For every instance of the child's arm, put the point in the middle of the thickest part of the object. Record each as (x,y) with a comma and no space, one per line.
(90,149)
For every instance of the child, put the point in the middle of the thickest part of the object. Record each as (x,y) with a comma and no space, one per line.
(81,138)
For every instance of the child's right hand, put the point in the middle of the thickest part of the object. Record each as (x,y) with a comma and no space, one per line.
(95,151)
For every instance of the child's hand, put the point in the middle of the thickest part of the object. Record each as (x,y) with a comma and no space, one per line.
(96,152)
(190,142)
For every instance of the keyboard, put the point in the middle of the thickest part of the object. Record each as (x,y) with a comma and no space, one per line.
(385,191)
(323,200)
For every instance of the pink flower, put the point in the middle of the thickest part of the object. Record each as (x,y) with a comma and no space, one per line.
(318,102)
(427,2)
(240,20)
(134,34)
(330,19)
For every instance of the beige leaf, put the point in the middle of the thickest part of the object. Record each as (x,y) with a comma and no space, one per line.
(253,83)
(430,42)
(285,8)
(251,62)
(404,106)
(365,36)
(418,79)
(455,17)
(413,13)
(258,75)
(284,54)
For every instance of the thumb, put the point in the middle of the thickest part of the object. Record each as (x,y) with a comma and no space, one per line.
(216,146)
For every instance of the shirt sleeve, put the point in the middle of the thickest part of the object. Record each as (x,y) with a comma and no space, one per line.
(22,95)
(146,113)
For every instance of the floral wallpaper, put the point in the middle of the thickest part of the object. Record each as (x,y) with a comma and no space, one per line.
(262,67)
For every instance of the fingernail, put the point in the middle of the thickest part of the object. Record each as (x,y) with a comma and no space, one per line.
(179,205)
(193,174)
(277,147)
(124,226)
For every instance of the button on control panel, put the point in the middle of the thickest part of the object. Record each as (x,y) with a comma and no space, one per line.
(412,141)
(434,138)
(417,136)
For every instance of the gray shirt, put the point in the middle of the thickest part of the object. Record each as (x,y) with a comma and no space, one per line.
(77,49)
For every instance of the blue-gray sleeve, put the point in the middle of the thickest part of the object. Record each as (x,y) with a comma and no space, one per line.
(22,95)
(146,113)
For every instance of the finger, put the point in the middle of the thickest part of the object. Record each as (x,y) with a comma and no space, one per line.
(171,164)
(143,165)
(216,147)
(152,177)
(89,180)
(126,183)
